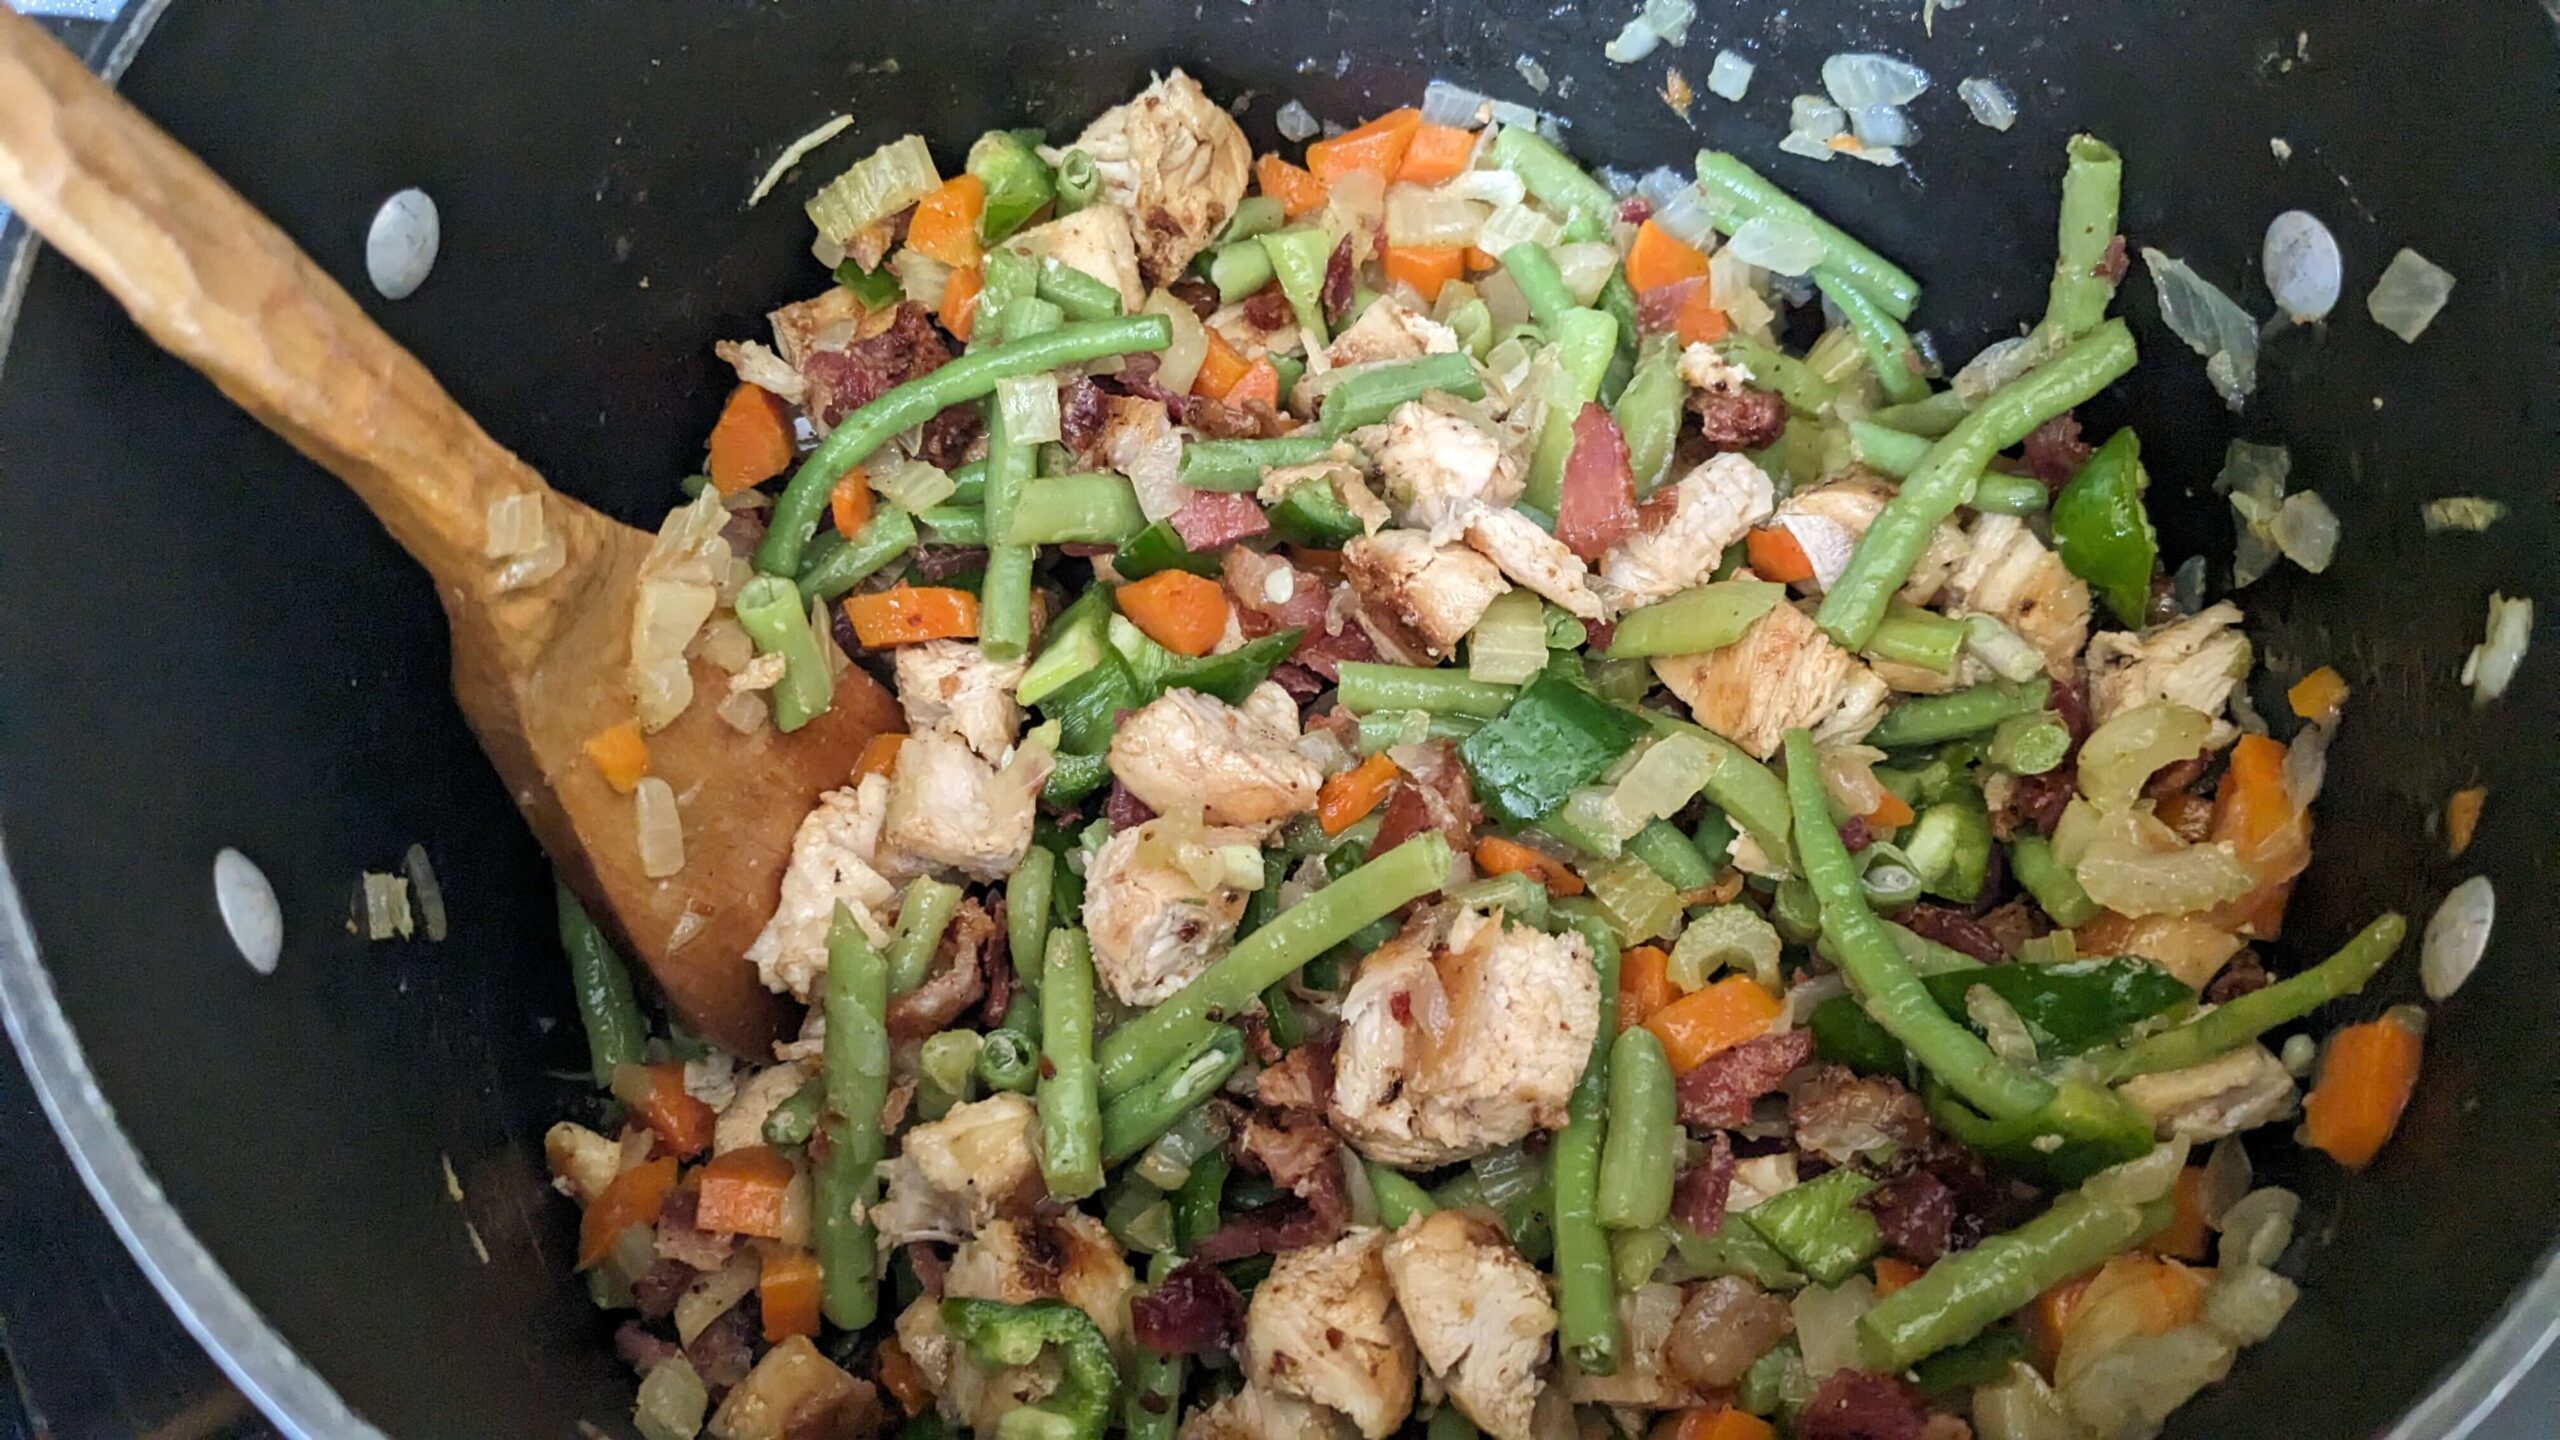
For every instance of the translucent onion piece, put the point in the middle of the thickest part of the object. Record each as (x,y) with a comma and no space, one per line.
(1421,216)
(665,616)
(2405,300)
(1684,216)
(1633,42)
(1595,809)
(1508,1174)
(1849,777)
(1029,404)
(711,1296)
(1447,104)
(2003,362)
(1586,268)
(2133,746)
(400,246)
(1797,142)
(1739,290)
(1296,123)
(911,483)
(1659,184)
(2019,1406)
(1532,72)
(2140,881)
(2130,1388)
(2212,324)
(1858,80)
(1178,362)
(1882,125)
(724,642)
(1813,116)
(2003,1029)
(2306,530)
(1875,154)
(2227,1177)
(2260,1226)
(657,830)
(2254,476)
(2457,936)
(514,526)
(878,186)
(1670,18)
(920,278)
(2299,1054)
(422,878)
(2138,1181)
(744,711)
(1516,224)
(2461,512)
(2493,662)
(1989,100)
(2302,265)
(1827,1324)
(2247,1303)
(1778,244)
(793,153)
(2306,764)
(386,907)
(671,1402)
(1495,188)
(1666,776)
(1730,76)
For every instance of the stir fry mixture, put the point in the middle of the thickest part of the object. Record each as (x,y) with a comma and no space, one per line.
(1510,822)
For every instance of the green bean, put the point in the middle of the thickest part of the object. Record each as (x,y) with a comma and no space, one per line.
(1749,793)
(1079,181)
(1025,316)
(1132,1122)
(1550,175)
(2238,1021)
(1365,397)
(1585,341)
(1079,295)
(617,1032)
(1295,936)
(776,618)
(2050,882)
(1026,909)
(1255,215)
(1889,350)
(856,1070)
(1367,687)
(1695,621)
(1885,450)
(1239,268)
(1945,481)
(1238,464)
(1774,369)
(947,1071)
(794,1120)
(1950,845)
(971,377)
(1999,494)
(1928,418)
(1635,1254)
(1735,193)
(2029,744)
(1151,1399)
(1968,1292)
(1930,719)
(1586,1276)
(1450,1423)
(953,524)
(1096,509)
(1004,596)
(1648,411)
(1661,845)
(1300,256)
(1010,1060)
(1644,1134)
(1909,635)
(2081,287)
(1399,1198)
(922,917)
(1197,1204)
(1877,975)
(1533,268)
(833,565)
(1070,1112)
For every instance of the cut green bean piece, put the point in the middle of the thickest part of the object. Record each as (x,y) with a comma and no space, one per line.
(834,564)
(1649,409)
(1998,494)
(2082,284)
(1550,175)
(1819,1226)
(856,1070)
(1533,268)
(1928,418)
(1929,719)
(1367,396)
(1237,465)
(1890,355)
(1366,687)
(1910,635)
(2030,744)
(1737,193)
(776,618)
(1885,450)
(1586,1273)
(1070,1109)
(1399,1198)
(1695,621)
(2244,1018)
(1079,180)
(1643,1140)
(1965,1294)
(1299,257)
(923,916)
(1079,295)
(1132,1122)
(1586,341)
(617,1032)
(1774,369)
(2050,882)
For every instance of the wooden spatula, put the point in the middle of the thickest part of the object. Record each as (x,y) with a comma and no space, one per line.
(537,669)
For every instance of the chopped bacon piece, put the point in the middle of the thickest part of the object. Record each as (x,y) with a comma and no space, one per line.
(1742,420)
(2055,452)
(1196,1310)
(1698,1196)
(1336,294)
(1718,1092)
(1857,1405)
(1954,929)
(1596,508)
(1211,520)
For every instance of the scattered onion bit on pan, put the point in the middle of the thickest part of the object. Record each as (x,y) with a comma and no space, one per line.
(2492,663)
(2457,936)
(2461,512)
(795,152)
(382,902)
(2462,817)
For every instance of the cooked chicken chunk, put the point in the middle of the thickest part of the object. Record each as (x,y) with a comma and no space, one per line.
(1479,1314)
(1323,1326)
(582,1162)
(1155,924)
(1258,1413)
(2008,574)
(953,1176)
(1534,559)
(1645,1379)
(1701,368)
(2193,662)
(1827,520)
(1436,466)
(794,1390)
(951,685)
(948,807)
(2223,1096)
(1452,1047)
(741,1123)
(759,366)
(1682,530)
(1436,593)
(1063,1256)
(966,1392)
(1239,768)
(832,858)
(1096,240)
(1390,329)
(1783,672)
(831,317)
(1177,163)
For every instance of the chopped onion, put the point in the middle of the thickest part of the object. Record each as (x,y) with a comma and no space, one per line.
(665,615)
(1739,287)
(1495,188)
(1667,775)
(1882,125)
(877,186)
(2186,585)
(386,907)
(2227,1177)
(2133,746)
(1516,224)
(1532,72)
(2300,258)
(2260,1226)
(1989,100)
(1455,105)
(1296,123)
(2135,1182)
(1179,362)
(400,246)
(518,535)
(1774,243)
(1685,216)
(2019,1406)
(1796,142)
(1730,76)
(795,152)
(2492,663)
(2003,1028)
(2306,530)
(1670,18)
(724,642)
(2299,1054)
(656,828)
(1816,118)
(1858,81)
(2457,936)
(1874,154)
(2412,289)
(920,278)
(1420,216)
(2254,476)
(1827,1324)
(422,877)
(1634,41)
(671,1401)
(2212,324)
(713,1295)
(744,711)
(247,901)
(2248,1302)
(1586,268)
(2130,1387)
(911,483)
(1029,405)
(2461,512)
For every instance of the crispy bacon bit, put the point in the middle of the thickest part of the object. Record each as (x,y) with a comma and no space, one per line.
(655,1293)
(1856,1405)
(1336,294)
(995,962)
(960,982)
(2039,800)
(1081,416)
(1856,833)
(1596,507)
(941,562)
(1435,794)
(1124,809)
(1744,420)
(1256,1025)
(1194,1311)
(1249,573)
(1842,1116)
(1303,1080)
(1698,1196)
(1958,1206)
(1197,293)
(680,1238)
(2243,976)
(1634,210)
(1659,308)
(2114,263)
(1299,1154)
(2055,452)
(725,1350)
(1597,635)
(1916,1214)
(947,438)
(2071,705)
(1267,308)
(1302,683)
(1211,520)
(1954,929)
(1717,1094)
(929,1265)
(643,1349)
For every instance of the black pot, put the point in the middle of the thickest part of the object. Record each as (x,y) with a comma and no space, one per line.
(208,643)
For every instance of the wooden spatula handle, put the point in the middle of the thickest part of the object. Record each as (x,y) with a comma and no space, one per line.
(215,283)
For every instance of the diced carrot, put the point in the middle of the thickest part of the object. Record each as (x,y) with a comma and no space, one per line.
(1775,555)
(2251,801)
(906,614)
(1425,267)
(656,1094)
(2318,696)
(1720,1422)
(1498,856)
(742,1192)
(1482,259)
(1349,796)
(2462,818)
(2255,816)
(787,1292)
(2050,1314)
(850,500)
(903,1378)
(879,754)
(1220,369)
(1700,320)
(1656,259)
(1436,153)
(621,755)
(944,226)
(959,312)
(1713,1018)
(2365,1079)
(1892,1275)
(1297,191)
(1261,382)
(1891,812)
(2187,1235)
(635,1197)
(1377,147)
(751,443)
(1183,612)
(1644,984)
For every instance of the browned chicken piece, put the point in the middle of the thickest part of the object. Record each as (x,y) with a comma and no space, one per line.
(1159,905)
(1323,1326)
(1783,672)
(1480,1316)
(2194,662)
(1435,593)
(954,1176)
(1097,240)
(1683,530)
(949,808)
(1187,750)
(951,685)
(1437,467)
(834,861)
(1534,560)
(1177,163)
(2008,574)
